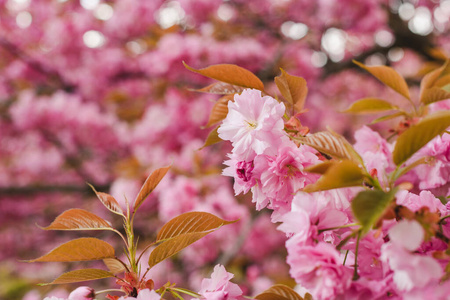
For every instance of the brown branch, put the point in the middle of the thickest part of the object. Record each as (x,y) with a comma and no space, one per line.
(404,38)
(31,190)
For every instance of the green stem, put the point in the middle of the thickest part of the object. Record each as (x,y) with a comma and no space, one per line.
(175,294)
(145,250)
(108,291)
(345,240)
(187,292)
(345,258)
(121,235)
(337,227)
(355,270)
(443,218)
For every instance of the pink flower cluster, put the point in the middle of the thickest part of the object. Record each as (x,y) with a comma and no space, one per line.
(397,261)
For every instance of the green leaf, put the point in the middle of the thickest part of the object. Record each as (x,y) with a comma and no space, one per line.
(82,249)
(108,201)
(173,246)
(370,106)
(293,89)
(402,171)
(389,77)
(321,168)
(281,292)
(213,138)
(231,74)
(345,173)
(418,135)
(80,276)
(150,184)
(369,206)
(446,88)
(78,219)
(190,222)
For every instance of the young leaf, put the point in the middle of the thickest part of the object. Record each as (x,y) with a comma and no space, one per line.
(78,219)
(293,89)
(114,265)
(321,168)
(370,106)
(415,137)
(80,275)
(332,144)
(345,173)
(213,138)
(431,80)
(388,117)
(190,222)
(389,77)
(82,249)
(231,74)
(149,185)
(173,246)
(221,88)
(281,292)
(108,201)
(434,94)
(219,110)
(369,206)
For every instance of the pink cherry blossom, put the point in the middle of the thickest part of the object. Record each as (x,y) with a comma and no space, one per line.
(254,124)
(243,173)
(424,199)
(219,286)
(282,176)
(319,269)
(82,293)
(410,270)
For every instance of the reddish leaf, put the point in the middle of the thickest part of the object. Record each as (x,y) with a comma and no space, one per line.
(108,201)
(434,94)
(173,246)
(231,74)
(149,185)
(82,249)
(219,110)
(280,292)
(389,77)
(213,138)
(293,89)
(332,144)
(182,231)
(221,88)
(78,219)
(430,80)
(80,276)
(190,222)
(114,265)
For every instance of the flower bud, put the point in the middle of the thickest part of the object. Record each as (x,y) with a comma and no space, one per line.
(82,293)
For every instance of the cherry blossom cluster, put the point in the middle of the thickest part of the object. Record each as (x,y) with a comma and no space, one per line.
(95,91)
(399,260)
